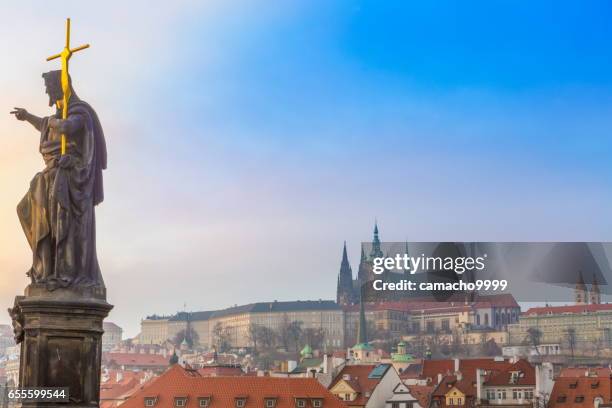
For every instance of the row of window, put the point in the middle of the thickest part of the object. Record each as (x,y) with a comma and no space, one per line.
(239,402)
(517,394)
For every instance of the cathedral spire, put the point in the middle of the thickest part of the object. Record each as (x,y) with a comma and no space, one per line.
(344,257)
(344,292)
(376,251)
(362,335)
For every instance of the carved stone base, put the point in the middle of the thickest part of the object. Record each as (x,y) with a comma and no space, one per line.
(62,343)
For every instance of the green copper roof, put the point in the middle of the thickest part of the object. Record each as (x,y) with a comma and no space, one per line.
(401,343)
(363,346)
(306,350)
(401,358)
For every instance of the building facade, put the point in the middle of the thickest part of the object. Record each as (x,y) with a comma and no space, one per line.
(112,336)
(234,323)
(585,325)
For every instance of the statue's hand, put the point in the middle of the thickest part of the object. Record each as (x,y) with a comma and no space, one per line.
(65,161)
(20,113)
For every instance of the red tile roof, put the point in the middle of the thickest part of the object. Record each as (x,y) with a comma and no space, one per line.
(586,372)
(430,306)
(569,309)
(120,385)
(431,369)
(136,359)
(178,382)
(500,300)
(467,367)
(359,381)
(526,375)
(579,392)
(421,393)
(220,371)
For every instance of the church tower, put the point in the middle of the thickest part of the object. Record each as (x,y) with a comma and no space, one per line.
(376,251)
(365,274)
(595,295)
(344,293)
(581,291)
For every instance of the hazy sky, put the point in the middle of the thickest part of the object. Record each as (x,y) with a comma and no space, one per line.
(248,139)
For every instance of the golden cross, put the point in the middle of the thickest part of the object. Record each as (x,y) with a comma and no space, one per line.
(65,58)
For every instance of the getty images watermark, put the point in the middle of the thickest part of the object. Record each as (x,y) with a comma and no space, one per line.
(404,263)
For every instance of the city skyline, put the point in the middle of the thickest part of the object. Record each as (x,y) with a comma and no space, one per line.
(261,137)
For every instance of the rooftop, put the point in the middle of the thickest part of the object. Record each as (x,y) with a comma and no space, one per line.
(223,391)
(363,378)
(261,307)
(571,309)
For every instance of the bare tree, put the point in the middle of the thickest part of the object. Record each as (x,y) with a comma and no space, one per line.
(253,333)
(294,332)
(222,337)
(267,337)
(570,336)
(456,344)
(534,336)
(283,332)
(313,337)
(189,335)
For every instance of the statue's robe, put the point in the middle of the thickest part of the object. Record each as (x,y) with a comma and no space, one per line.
(57,213)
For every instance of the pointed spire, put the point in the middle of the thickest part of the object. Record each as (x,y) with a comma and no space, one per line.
(344,255)
(344,292)
(173,358)
(376,251)
(362,336)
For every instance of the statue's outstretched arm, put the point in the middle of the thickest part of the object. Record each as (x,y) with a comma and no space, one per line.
(22,114)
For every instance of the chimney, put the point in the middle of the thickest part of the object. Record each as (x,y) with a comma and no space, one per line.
(478,385)
(325,363)
(119,376)
(456,364)
(439,378)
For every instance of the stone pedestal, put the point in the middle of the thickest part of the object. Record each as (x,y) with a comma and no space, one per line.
(61,333)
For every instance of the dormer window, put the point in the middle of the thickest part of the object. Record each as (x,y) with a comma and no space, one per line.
(317,402)
(300,403)
(180,402)
(240,402)
(203,402)
(150,401)
(270,402)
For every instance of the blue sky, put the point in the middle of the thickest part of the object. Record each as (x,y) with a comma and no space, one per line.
(248,140)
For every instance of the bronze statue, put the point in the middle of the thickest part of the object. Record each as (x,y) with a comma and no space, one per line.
(57,213)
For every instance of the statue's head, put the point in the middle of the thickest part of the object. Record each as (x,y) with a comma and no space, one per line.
(53,86)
